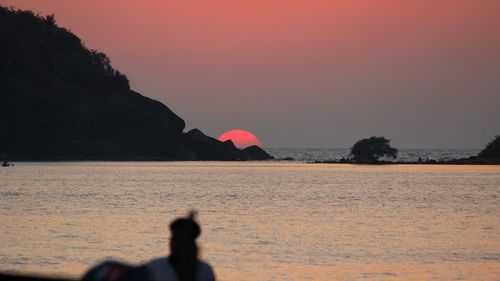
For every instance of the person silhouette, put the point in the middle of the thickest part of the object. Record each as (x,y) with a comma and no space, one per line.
(183,263)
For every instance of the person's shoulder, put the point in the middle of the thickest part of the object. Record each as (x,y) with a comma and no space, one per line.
(204,263)
(160,269)
(156,262)
(205,271)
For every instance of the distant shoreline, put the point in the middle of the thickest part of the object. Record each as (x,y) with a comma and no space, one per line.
(430,162)
(463,161)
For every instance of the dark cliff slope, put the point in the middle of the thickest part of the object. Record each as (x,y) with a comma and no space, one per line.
(60,100)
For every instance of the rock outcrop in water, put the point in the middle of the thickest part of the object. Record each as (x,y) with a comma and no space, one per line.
(210,148)
(492,150)
(489,155)
(254,152)
(62,101)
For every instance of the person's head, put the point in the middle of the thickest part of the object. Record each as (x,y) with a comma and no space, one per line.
(183,249)
(184,232)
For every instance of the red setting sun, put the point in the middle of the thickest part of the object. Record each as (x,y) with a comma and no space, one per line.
(240,138)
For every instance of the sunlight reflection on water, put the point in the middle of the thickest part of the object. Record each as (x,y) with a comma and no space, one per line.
(261,221)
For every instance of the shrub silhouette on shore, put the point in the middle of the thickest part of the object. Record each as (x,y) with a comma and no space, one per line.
(369,150)
(492,149)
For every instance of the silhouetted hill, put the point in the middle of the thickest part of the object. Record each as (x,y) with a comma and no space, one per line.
(61,100)
(492,149)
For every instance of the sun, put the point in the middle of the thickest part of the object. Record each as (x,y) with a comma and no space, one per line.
(240,138)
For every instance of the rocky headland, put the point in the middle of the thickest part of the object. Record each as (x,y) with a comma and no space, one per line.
(60,100)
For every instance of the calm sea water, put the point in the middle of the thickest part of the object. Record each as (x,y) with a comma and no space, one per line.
(260,220)
(326,154)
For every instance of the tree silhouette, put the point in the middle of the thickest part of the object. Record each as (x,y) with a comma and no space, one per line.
(50,20)
(371,149)
(492,150)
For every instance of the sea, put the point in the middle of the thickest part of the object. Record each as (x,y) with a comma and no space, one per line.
(268,220)
(335,154)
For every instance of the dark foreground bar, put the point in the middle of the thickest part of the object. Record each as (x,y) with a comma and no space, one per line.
(105,271)
(19,277)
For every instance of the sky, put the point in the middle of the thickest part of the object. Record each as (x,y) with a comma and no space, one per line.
(306,73)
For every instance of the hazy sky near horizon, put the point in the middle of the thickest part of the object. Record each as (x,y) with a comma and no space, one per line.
(306,73)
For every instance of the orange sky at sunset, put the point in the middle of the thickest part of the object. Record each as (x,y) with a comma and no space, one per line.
(307,73)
